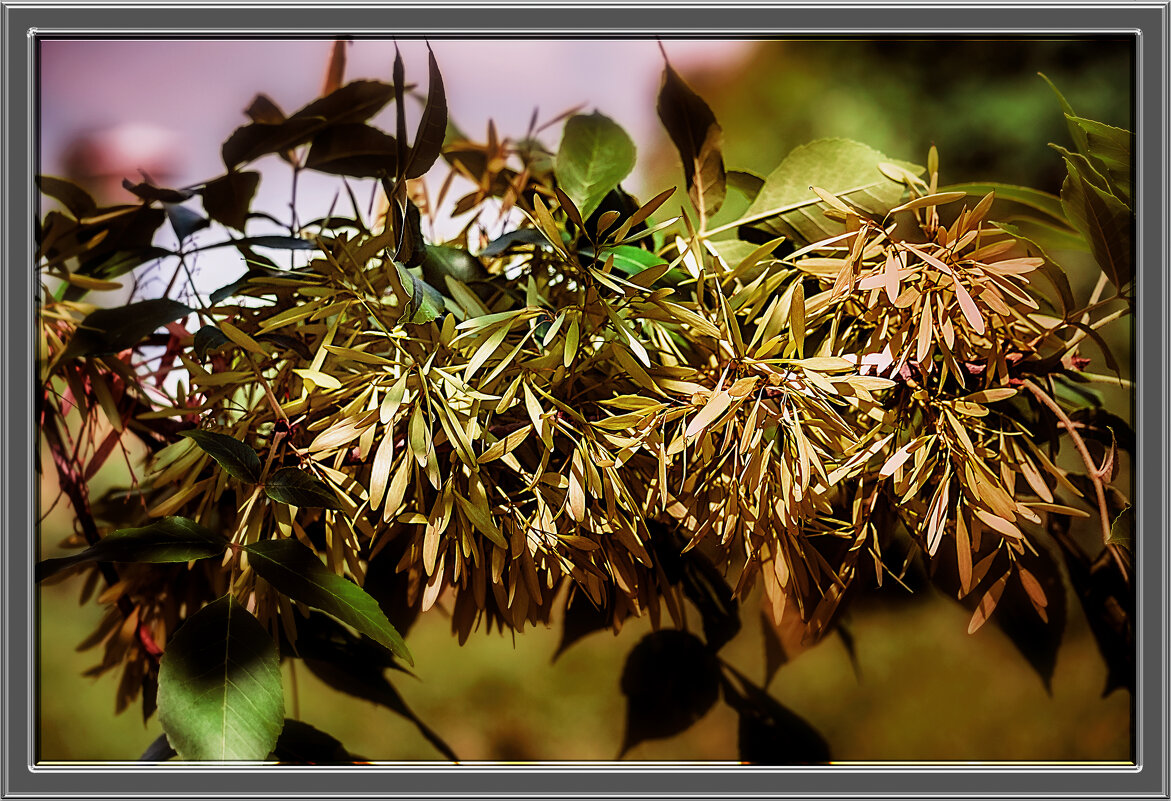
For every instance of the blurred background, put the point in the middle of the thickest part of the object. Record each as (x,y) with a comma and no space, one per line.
(925,689)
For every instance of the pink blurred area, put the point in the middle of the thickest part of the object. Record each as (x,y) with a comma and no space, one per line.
(169,103)
(112,108)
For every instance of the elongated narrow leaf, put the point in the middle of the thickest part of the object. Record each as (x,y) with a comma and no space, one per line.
(295,570)
(70,195)
(294,486)
(170,539)
(594,156)
(432,126)
(220,694)
(113,330)
(1034,199)
(1110,149)
(237,459)
(699,139)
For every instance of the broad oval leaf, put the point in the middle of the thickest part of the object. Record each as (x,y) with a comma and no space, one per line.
(170,539)
(113,330)
(671,680)
(440,261)
(293,569)
(356,150)
(220,694)
(772,734)
(237,459)
(594,156)
(228,198)
(788,206)
(294,486)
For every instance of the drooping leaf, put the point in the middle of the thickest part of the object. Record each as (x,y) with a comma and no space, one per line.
(440,261)
(293,569)
(1104,220)
(356,150)
(699,139)
(594,156)
(432,126)
(169,539)
(847,169)
(113,330)
(302,744)
(355,102)
(207,339)
(357,667)
(228,198)
(770,733)
(220,694)
(671,680)
(75,199)
(184,221)
(158,751)
(294,486)
(236,458)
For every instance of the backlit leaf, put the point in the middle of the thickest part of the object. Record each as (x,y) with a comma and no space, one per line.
(699,139)
(171,539)
(594,156)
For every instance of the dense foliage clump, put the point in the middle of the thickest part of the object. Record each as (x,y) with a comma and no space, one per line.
(582,408)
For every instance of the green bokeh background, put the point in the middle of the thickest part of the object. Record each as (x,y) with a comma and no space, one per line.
(926,690)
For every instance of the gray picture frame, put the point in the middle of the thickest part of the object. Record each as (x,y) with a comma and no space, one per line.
(21,23)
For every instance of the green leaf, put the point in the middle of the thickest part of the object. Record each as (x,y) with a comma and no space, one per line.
(294,486)
(633,260)
(236,458)
(845,168)
(302,744)
(228,198)
(746,183)
(699,139)
(440,261)
(1075,133)
(294,570)
(1050,268)
(594,156)
(1103,219)
(356,150)
(207,339)
(220,694)
(1110,148)
(169,539)
(68,194)
(670,680)
(114,330)
(432,126)
(1122,529)
(1022,195)
(422,302)
(184,221)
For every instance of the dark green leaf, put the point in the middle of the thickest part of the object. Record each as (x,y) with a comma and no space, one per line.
(268,241)
(294,486)
(581,618)
(355,149)
(1109,148)
(289,343)
(293,569)
(1105,427)
(228,198)
(207,339)
(235,457)
(671,680)
(1122,529)
(698,138)
(220,693)
(523,236)
(1007,194)
(158,751)
(68,194)
(423,303)
(302,744)
(440,261)
(356,667)
(847,169)
(184,221)
(169,539)
(1075,133)
(433,125)
(357,101)
(1103,219)
(150,192)
(114,330)
(772,734)
(594,156)
(633,260)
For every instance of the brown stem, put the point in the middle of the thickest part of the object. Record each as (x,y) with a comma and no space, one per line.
(1091,468)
